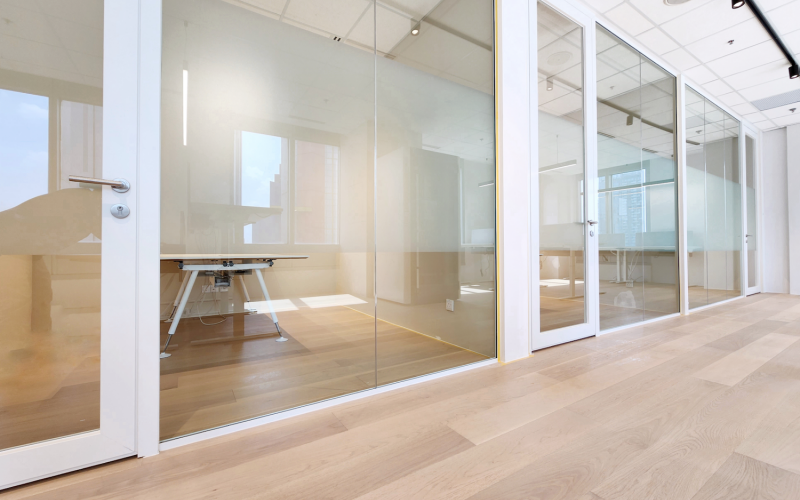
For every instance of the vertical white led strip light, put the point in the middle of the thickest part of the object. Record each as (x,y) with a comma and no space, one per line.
(185,99)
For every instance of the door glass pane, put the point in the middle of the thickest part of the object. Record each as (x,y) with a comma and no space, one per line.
(636,176)
(267,149)
(562,237)
(752,226)
(51,121)
(714,202)
(435,186)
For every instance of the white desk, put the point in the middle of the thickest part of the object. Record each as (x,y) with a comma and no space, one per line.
(194,263)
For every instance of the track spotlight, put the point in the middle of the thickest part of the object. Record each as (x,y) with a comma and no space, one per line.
(794,71)
(737,3)
(549,84)
(629,121)
(415,30)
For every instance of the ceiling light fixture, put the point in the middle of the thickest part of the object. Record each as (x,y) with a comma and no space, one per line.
(793,110)
(629,121)
(415,30)
(730,42)
(549,84)
(794,72)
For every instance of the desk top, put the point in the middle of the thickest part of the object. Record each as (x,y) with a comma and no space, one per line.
(232,256)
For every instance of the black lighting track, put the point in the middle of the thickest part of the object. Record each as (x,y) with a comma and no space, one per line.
(794,72)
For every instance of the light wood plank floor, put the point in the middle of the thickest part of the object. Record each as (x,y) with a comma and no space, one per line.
(701,407)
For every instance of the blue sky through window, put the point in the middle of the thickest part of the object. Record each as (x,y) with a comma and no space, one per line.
(23,147)
(261,162)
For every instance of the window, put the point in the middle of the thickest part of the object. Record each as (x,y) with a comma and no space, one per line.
(267,166)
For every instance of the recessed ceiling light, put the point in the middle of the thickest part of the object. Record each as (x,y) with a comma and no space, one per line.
(559,58)
(415,30)
(737,3)
(675,2)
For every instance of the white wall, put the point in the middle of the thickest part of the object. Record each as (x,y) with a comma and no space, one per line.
(774,195)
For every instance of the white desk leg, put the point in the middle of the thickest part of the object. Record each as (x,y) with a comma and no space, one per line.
(269,305)
(184,299)
(246,293)
(178,297)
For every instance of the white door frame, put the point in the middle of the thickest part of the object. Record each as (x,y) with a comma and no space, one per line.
(749,130)
(539,339)
(116,437)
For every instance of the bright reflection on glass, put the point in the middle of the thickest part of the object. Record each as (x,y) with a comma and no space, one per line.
(561,171)
(51,123)
(637,208)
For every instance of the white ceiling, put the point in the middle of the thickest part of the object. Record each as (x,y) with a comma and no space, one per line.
(693,38)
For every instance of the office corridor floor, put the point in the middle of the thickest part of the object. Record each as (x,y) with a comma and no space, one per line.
(705,406)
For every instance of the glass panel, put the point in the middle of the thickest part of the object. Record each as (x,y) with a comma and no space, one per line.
(274,157)
(752,226)
(435,186)
(269,148)
(714,202)
(637,195)
(561,171)
(696,236)
(51,122)
(733,207)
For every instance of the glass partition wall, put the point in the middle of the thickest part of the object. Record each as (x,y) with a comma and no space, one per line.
(561,197)
(637,195)
(299,129)
(714,211)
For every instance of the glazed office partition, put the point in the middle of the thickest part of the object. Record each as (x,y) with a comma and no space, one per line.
(359,135)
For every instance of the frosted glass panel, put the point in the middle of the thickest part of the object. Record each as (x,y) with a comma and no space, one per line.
(714,219)
(752,224)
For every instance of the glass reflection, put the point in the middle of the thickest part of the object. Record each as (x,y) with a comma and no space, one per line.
(50,229)
(637,194)
(561,171)
(269,146)
(714,202)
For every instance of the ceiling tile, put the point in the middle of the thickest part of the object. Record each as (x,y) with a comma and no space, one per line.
(760,74)
(392,28)
(659,12)
(750,57)
(767,5)
(770,89)
(334,17)
(274,6)
(784,19)
(731,99)
(700,74)
(657,41)
(784,121)
(705,20)
(605,5)
(745,108)
(680,59)
(717,87)
(629,19)
(783,111)
(744,35)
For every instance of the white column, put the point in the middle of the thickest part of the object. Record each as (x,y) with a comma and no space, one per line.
(514,135)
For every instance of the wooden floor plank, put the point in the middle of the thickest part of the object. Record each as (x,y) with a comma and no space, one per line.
(620,416)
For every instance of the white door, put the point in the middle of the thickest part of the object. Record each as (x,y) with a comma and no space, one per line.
(68,104)
(564,175)
(751,183)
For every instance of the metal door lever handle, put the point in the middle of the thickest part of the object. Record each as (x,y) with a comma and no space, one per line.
(118,185)
(592,222)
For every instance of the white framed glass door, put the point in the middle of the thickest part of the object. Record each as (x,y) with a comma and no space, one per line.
(68,113)
(564,174)
(751,184)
